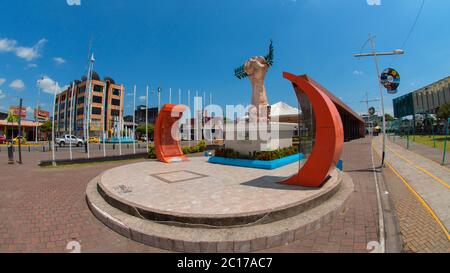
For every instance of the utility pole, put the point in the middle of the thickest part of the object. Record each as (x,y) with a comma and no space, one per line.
(375,55)
(366,101)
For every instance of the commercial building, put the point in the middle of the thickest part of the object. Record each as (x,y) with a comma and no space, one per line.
(426,100)
(140,114)
(106,108)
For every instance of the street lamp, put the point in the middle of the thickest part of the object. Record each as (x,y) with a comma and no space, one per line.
(375,55)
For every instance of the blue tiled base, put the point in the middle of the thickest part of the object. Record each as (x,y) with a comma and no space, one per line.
(257,164)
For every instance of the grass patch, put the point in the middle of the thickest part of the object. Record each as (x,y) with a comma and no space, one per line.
(428,141)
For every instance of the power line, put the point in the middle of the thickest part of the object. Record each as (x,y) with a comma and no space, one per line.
(414,24)
(413,27)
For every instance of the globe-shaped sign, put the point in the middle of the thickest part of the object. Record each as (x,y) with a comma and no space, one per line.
(390,79)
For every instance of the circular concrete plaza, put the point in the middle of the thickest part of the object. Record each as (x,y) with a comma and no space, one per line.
(196,192)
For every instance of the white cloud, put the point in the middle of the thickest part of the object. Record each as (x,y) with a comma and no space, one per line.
(2,95)
(2,81)
(27,53)
(17,84)
(59,60)
(7,45)
(73,2)
(49,86)
(32,65)
(142,98)
(358,73)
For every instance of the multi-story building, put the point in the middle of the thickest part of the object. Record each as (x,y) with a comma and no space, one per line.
(106,108)
(426,100)
(140,114)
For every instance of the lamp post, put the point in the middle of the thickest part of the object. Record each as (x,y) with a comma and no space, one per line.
(375,55)
(36,115)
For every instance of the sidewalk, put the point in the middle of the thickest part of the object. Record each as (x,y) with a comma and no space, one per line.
(421,194)
(422,149)
(42,209)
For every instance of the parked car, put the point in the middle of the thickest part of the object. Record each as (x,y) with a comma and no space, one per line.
(70,140)
(23,140)
(94,139)
(2,139)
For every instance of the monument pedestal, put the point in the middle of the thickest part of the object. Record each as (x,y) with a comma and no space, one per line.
(278,136)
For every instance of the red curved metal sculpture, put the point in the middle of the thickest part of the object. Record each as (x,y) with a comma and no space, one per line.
(167,148)
(329,134)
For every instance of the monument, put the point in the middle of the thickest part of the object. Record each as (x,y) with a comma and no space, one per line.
(258,132)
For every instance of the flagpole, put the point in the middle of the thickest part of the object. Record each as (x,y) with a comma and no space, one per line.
(120,123)
(134,120)
(190,116)
(179,96)
(146,118)
(89,107)
(70,120)
(103,120)
(53,127)
(170,95)
(73,116)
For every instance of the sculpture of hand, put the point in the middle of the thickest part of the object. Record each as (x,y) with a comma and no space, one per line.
(256,69)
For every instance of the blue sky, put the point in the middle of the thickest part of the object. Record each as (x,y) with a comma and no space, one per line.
(196,45)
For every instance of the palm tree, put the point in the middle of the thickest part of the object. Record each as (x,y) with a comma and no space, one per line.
(11,119)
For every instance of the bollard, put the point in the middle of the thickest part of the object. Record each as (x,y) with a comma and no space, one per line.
(444,155)
(114,146)
(29,149)
(10,153)
(407,142)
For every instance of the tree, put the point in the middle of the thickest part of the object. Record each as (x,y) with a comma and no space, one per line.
(141,130)
(46,128)
(12,119)
(388,117)
(444,112)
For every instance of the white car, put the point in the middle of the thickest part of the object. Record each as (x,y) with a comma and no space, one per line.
(69,139)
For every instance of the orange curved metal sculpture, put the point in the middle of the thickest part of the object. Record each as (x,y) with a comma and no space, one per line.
(329,137)
(167,148)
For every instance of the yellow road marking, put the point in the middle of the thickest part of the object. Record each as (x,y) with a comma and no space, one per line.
(427,207)
(432,161)
(420,168)
(402,157)
(433,176)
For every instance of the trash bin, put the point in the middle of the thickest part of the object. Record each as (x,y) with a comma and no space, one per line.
(10,153)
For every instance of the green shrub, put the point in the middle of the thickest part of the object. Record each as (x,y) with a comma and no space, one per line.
(186,150)
(265,155)
(151,151)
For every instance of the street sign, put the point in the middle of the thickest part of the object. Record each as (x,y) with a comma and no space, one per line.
(390,79)
(41,115)
(18,111)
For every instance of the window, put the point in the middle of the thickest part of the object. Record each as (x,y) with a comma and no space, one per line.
(80,111)
(115,102)
(115,113)
(98,88)
(97,99)
(116,92)
(96,111)
(80,100)
(81,90)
